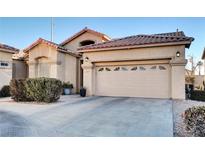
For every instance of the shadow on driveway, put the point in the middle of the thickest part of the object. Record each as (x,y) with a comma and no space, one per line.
(13,125)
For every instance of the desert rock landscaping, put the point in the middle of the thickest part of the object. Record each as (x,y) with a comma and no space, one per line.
(178,113)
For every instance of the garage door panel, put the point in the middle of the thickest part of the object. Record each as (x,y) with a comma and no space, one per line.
(146,82)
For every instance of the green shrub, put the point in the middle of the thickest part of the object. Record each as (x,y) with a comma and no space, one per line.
(36,89)
(194,118)
(5,91)
(44,89)
(67,85)
(198,95)
(18,90)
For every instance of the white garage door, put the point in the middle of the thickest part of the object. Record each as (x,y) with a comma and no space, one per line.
(149,81)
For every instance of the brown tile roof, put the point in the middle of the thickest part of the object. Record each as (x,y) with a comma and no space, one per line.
(142,40)
(7,48)
(180,34)
(82,32)
(49,43)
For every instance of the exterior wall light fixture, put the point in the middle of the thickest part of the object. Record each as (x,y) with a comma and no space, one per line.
(178,54)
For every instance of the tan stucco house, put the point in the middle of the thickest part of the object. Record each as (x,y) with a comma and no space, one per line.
(150,66)
(6,53)
(48,59)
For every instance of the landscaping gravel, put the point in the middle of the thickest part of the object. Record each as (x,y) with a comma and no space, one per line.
(178,108)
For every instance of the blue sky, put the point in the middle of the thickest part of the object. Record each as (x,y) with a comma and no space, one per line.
(21,32)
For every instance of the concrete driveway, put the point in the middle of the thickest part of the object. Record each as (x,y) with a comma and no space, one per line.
(89,116)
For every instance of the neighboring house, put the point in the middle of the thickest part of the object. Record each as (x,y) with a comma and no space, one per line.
(189,77)
(194,81)
(198,82)
(150,66)
(6,53)
(48,59)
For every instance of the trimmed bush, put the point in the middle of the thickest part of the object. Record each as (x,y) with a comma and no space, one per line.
(67,85)
(198,95)
(18,90)
(5,91)
(36,89)
(44,89)
(194,118)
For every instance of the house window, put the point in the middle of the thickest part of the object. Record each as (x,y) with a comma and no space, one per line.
(117,69)
(142,68)
(162,68)
(153,67)
(134,68)
(86,42)
(4,64)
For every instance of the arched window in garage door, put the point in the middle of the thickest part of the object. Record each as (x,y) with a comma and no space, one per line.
(162,68)
(124,69)
(117,69)
(142,68)
(153,68)
(107,69)
(100,69)
(134,68)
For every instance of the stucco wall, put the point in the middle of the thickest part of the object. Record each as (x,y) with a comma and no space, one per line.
(177,64)
(178,81)
(5,73)
(20,69)
(136,54)
(74,44)
(67,69)
(43,50)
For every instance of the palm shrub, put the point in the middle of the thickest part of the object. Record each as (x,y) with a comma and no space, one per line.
(44,89)
(194,119)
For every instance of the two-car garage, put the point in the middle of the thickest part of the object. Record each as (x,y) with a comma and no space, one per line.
(133,80)
(148,66)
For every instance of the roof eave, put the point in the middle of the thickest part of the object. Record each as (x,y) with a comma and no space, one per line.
(72,37)
(106,37)
(67,52)
(9,51)
(82,32)
(186,43)
(37,43)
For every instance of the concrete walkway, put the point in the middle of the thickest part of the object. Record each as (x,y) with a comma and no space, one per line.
(89,116)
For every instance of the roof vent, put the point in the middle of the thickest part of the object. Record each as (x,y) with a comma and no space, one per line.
(177,32)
